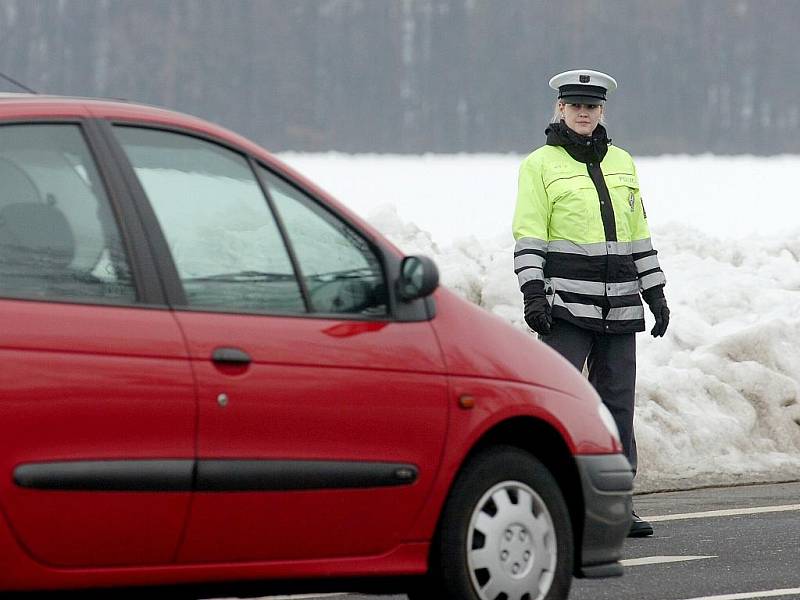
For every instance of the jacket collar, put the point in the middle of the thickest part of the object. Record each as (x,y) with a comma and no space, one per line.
(582,148)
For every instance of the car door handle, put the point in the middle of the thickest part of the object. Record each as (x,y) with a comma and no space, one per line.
(231,356)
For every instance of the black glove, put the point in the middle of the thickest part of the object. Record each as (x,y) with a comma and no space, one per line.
(658,306)
(537,308)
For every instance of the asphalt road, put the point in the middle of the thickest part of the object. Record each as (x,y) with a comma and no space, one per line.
(743,555)
(750,551)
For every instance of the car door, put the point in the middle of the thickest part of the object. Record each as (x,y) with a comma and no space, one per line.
(321,418)
(97,404)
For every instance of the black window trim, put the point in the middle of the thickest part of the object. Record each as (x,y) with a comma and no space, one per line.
(146,288)
(139,253)
(287,243)
(421,309)
(417,310)
(164,266)
(377,250)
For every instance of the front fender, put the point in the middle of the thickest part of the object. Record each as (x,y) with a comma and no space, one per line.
(495,402)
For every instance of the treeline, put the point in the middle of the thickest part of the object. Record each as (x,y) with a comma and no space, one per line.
(415,76)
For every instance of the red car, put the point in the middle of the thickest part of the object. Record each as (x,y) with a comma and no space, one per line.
(214,374)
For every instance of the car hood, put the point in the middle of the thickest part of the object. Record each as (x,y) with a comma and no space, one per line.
(476,343)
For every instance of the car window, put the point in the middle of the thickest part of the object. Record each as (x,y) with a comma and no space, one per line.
(340,269)
(58,236)
(222,235)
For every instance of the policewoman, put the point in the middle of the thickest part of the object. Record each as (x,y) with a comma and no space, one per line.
(583,253)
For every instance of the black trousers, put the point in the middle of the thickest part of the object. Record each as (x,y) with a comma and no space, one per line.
(611,360)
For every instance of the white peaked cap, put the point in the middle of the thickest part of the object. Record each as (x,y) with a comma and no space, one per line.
(583,86)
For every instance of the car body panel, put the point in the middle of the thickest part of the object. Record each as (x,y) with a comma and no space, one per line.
(21,572)
(495,403)
(93,383)
(477,343)
(337,390)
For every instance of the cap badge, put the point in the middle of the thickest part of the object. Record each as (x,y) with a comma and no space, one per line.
(584,78)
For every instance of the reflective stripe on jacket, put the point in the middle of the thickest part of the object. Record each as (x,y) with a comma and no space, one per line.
(594,269)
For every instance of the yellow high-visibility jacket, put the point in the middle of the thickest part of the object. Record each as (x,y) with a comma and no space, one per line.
(582,229)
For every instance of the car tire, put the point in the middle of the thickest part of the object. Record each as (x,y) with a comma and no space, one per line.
(505,532)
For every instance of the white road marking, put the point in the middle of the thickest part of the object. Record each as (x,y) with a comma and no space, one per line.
(723,513)
(746,595)
(655,560)
(297,597)
(301,596)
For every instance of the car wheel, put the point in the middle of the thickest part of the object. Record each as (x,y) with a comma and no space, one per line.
(505,532)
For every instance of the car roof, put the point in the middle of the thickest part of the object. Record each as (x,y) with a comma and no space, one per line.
(19,105)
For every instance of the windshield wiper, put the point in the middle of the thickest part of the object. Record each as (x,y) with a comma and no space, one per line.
(357,273)
(244,277)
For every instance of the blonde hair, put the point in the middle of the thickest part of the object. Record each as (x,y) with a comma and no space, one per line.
(557,113)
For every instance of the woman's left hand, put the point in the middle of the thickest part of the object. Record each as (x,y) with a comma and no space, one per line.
(661,313)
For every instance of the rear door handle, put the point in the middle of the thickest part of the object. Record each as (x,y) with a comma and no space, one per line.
(231,356)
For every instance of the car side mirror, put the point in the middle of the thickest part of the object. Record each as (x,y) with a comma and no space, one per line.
(419,277)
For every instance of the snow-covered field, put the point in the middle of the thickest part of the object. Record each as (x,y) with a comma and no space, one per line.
(718,398)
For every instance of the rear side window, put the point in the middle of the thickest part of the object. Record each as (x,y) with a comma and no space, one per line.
(222,235)
(58,236)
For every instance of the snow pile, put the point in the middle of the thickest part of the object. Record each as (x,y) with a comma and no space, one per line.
(718,398)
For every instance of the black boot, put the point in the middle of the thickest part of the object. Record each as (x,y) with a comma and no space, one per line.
(640,527)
